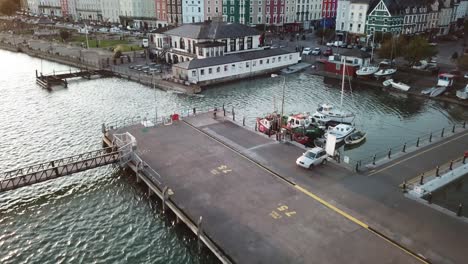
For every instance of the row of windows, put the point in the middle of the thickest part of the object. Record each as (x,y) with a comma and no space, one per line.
(247,65)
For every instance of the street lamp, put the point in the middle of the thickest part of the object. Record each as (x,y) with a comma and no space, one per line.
(282,97)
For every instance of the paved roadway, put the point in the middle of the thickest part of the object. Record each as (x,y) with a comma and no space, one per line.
(373,198)
(249,211)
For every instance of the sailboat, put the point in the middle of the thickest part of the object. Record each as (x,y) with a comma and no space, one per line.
(328,110)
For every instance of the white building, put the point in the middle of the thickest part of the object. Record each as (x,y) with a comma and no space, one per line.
(33,7)
(462,9)
(351,16)
(445,16)
(307,11)
(110,11)
(50,8)
(290,14)
(88,10)
(214,51)
(193,11)
(138,13)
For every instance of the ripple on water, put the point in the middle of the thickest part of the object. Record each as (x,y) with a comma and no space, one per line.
(99,215)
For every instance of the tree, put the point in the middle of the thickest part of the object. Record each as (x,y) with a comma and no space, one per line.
(392,48)
(463,63)
(64,34)
(9,7)
(418,49)
(326,33)
(455,56)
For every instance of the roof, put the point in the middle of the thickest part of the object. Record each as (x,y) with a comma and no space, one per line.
(209,44)
(213,30)
(243,56)
(397,6)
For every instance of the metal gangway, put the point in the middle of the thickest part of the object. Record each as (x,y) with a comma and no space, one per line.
(41,172)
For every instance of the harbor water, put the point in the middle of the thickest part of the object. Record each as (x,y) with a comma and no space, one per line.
(101,215)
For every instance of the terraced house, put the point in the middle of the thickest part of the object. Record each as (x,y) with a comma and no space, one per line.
(351,16)
(385,16)
(236,11)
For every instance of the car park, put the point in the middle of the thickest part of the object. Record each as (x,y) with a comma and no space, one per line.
(328,52)
(312,157)
(307,51)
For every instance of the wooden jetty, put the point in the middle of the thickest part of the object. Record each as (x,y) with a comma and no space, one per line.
(60,78)
(29,175)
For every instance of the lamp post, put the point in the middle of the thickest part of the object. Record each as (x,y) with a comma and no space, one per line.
(282,96)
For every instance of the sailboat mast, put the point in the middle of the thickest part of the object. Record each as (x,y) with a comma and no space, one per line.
(342,81)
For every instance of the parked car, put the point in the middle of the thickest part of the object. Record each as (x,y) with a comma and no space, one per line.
(307,51)
(328,52)
(349,46)
(312,157)
(338,43)
(316,51)
(329,44)
(366,49)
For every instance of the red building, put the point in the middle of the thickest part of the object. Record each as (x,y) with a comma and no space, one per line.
(161,13)
(274,11)
(329,8)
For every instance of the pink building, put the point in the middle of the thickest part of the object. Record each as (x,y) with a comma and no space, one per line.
(274,11)
(329,8)
(161,13)
(213,9)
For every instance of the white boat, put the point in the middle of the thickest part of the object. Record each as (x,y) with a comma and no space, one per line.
(463,93)
(428,90)
(367,70)
(355,138)
(384,72)
(445,79)
(333,114)
(319,119)
(387,83)
(340,131)
(400,86)
(438,91)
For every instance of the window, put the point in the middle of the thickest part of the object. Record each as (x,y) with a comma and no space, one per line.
(218,69)
(233,66)
(224,10)
(231,10)
(249,43)
(194,73)
(202,72)
(225,44)
(273,60)
(225,67)
(247,64)
(279,59)
(210,71)
(268,61)
(261,62)
(241,43)
(290,57)
(254,63)
(338,66)
(231,19)
(232,44)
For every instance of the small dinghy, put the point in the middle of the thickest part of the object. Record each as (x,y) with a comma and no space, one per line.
(387,83)
(384,72)
(428,90)
(438,91)
(355,138)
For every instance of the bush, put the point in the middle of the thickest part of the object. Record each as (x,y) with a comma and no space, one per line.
(117,54)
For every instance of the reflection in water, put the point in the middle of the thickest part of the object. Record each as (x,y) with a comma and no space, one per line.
(99,214)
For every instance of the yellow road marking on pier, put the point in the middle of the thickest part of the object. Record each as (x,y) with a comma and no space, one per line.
(275,215)
(417,154)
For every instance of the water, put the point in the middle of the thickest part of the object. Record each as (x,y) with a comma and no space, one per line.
(100,215)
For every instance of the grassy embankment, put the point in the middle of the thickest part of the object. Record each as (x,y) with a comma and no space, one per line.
(124,45)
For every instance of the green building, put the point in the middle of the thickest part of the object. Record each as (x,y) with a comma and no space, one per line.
(236,11)
(385,16)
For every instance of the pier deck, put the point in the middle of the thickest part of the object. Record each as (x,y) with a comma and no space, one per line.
(256,204)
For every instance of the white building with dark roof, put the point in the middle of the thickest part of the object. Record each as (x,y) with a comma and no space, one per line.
(214,51)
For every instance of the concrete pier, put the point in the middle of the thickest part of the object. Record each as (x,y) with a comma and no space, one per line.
(258,206)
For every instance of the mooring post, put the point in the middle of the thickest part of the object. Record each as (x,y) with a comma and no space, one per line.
(421,180)
(429,198)
(214,113)
(233,114)
(36,74)
(224,109)
(464,158)
(451,165)
(256,126)
(194,111)
(373,159)
(464,124)
(453,129)
(164,199)
(243,121)
(417,143)
(460,208)
(437,171)
(404,147)
(442,134)
(389,153)
(357,166)
(404,186)
(430,138)
(199,232)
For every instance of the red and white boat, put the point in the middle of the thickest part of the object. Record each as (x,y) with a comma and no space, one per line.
(269,124)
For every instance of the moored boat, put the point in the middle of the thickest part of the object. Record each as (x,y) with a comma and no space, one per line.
(340,131)
(438,91)
(385,72)
(387,83)
(428,90)
(463,93)
(335,115)
(367,70)
(400,86)
(355,138)
(269,124)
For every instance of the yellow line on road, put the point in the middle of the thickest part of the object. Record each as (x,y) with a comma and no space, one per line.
(417,154)
(314,196)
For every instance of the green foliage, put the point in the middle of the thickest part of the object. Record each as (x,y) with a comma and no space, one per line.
(418,49)
(117,54)
(462,63)
(9,7)
(398,47)
(325,33)
(64,34)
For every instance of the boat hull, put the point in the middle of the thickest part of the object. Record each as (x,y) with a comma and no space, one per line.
(438,91)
